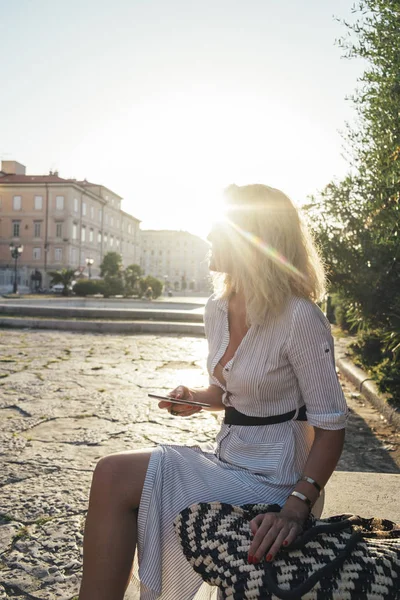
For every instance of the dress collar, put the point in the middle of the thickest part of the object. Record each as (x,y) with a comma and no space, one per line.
(222,304)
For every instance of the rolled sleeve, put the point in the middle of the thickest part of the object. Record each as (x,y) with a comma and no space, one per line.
(311,353)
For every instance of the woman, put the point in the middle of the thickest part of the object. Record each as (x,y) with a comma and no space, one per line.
(272,370)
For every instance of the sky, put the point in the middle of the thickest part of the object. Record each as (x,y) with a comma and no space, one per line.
(166,102)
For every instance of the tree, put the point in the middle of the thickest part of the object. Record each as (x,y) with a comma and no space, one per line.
(357,220)
(132,275)
(65,277)
(111,270)
(111,265)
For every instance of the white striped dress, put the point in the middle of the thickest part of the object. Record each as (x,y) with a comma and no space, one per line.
(278,367)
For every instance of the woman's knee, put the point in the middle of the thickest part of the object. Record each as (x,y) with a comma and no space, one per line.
(120,477)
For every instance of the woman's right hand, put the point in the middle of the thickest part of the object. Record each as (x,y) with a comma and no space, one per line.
(180,410)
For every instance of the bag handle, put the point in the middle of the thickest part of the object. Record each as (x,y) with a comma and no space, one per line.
(325,571)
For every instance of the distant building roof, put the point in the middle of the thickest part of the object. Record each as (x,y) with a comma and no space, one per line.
(34,179)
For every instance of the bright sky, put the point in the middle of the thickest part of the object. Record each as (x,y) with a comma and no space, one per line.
(168,101)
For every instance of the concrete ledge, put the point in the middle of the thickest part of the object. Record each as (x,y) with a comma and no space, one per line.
(369,389)
(126,327)
(127,314)
(363,494)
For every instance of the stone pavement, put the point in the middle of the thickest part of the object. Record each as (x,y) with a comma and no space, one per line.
(67,399)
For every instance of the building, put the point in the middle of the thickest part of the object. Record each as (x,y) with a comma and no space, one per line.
(178,258)
(60,223)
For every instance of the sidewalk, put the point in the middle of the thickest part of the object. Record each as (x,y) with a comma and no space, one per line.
(66,399)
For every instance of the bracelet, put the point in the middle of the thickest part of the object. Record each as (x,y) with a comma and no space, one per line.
(302,497)
(312,481)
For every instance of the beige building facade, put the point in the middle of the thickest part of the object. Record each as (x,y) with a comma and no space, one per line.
(60,223)
(178,258)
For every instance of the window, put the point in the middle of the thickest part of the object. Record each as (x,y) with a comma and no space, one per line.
(15,228)
(74,231)
(129,228)
(112,221)
(105,238)
(37,227)
(76,205)
(92,212)
(100,215)
(59,228)
(59,202)
(99,237)
(91,232)
(38,203)
(84,209)
(17,202)
(106,218)
(74,255)
(58,254)
(112,240)
(83,234)
(36,253)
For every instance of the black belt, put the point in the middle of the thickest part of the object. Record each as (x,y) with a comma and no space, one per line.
(234,417)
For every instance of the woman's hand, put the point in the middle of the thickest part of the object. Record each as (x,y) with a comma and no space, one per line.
(180,410)
(273,530)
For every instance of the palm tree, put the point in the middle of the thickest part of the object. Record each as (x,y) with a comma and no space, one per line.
(65,276)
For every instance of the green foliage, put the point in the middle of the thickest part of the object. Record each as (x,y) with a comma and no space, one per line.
(132,275)
(89,287)
(111,265)
(155,284)
(111,270)
(341,316)
(388,375)
(65,277)
(356,220)
(113,286)
(369,347)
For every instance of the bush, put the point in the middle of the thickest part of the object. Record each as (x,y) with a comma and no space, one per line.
(89,287)
(388,375)
(113,285)
(155,284)
(341,319)
(369,347)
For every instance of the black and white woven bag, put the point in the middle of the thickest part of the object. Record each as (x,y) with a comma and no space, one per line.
(344,557)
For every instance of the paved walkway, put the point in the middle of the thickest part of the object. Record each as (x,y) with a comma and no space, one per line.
(66,400)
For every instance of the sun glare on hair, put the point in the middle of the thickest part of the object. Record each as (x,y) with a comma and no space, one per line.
(268,250)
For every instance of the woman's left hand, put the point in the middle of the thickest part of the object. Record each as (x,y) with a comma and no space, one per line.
(271,531)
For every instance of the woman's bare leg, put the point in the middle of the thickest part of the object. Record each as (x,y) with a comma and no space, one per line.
(110,530)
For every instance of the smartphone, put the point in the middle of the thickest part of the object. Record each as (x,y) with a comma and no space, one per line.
(179,400)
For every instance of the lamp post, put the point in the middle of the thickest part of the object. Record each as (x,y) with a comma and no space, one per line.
(16,252)
(89,262)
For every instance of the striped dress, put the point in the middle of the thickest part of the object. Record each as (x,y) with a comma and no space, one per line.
(278,367)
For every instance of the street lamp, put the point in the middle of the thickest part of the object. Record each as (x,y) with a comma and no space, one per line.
(16,251)
(89,262)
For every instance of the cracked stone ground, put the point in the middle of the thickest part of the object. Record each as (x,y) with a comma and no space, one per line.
(66,400)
